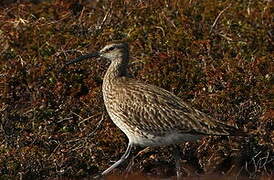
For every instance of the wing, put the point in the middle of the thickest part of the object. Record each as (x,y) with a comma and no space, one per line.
(155,110)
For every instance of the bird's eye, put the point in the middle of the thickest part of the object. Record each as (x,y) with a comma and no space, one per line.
(111,48)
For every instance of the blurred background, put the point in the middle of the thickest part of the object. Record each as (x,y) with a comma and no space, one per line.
(217,55)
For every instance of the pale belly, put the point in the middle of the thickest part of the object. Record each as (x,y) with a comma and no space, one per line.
(145,139)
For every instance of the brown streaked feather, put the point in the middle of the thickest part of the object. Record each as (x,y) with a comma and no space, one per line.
(157,111)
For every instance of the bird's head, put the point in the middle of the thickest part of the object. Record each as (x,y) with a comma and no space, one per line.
(114,51)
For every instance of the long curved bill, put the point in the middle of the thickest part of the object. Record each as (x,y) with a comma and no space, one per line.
(81,58)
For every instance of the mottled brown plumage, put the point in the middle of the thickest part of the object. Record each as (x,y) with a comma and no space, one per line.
(149,115)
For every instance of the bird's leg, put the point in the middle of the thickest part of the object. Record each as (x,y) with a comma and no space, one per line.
(121,160)
(176,155)
(140,153)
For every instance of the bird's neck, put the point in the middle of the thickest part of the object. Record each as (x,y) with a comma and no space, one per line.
(117,68)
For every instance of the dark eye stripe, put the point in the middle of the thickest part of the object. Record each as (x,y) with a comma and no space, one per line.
(111,48)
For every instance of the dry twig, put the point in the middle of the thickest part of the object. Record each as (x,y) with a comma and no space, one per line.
(217,18)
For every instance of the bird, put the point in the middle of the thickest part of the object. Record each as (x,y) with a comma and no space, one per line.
(148,115)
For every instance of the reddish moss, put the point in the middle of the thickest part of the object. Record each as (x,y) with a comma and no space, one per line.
(51,121)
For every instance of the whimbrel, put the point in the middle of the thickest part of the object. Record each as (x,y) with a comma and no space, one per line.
(149,115)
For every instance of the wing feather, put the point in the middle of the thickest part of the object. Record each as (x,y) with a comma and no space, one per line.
(157,111)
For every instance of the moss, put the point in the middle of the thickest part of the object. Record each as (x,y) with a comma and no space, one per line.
(51,121)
